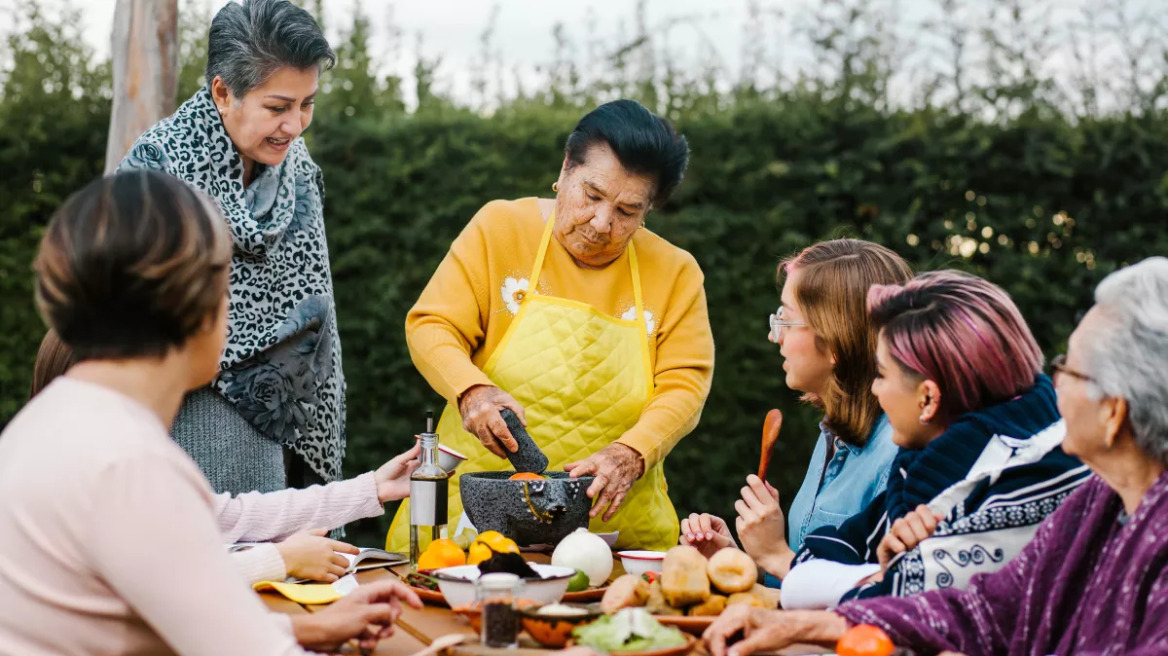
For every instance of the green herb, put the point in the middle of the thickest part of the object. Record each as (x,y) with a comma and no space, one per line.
(419,580)
(630,629)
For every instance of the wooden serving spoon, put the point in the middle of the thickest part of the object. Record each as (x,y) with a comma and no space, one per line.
(770,435)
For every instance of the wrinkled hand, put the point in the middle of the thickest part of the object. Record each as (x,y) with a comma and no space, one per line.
(393,478)
(616,468)
(762,526)
(367,614)
(706,533)
(768,630)
(479,408)
(906,533)
(310,555)
(761,630)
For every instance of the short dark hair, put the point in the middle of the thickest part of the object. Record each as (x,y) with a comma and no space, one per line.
(249,42)
(131,266)
(644,143)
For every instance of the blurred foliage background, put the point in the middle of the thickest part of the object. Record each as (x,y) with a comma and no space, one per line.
(1043,187)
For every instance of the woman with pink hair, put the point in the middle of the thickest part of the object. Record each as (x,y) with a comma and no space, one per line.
(959,378)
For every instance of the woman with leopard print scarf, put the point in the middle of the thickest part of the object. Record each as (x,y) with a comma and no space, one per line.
(275,414)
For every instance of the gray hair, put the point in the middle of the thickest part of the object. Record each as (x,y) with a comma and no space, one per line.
(249,42)
(1127,355)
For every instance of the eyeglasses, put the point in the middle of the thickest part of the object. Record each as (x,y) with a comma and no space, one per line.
(778,324)
(1058,366)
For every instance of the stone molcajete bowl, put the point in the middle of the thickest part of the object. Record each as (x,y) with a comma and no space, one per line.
(529,512)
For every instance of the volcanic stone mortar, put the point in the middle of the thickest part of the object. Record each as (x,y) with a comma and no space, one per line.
(529,512)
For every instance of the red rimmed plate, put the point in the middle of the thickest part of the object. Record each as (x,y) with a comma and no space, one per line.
(585,596)
(432,597)
(691,625)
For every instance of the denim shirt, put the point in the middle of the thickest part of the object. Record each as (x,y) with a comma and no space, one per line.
(835,490)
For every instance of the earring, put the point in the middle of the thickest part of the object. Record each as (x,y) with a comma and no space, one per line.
(556,186)
(222,112)
(924,422)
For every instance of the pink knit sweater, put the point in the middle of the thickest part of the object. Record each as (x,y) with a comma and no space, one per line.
(273,516)
(109,541)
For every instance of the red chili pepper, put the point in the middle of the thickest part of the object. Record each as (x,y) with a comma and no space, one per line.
(650,577)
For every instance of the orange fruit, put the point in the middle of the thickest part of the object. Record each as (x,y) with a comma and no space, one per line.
(487,544)
(865,640)
(441,553)
(526,476)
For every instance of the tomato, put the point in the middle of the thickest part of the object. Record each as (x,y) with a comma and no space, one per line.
(865,640)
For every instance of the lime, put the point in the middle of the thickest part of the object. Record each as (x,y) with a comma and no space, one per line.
(578,582)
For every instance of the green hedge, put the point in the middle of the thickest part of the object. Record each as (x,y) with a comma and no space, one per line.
(1041,204)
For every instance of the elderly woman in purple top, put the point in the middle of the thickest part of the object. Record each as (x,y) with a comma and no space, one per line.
(1095,578)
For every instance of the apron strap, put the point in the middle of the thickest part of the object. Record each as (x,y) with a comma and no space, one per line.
(634,269)
(539,255)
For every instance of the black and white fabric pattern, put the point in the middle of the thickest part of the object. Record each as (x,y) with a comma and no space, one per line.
(281,368)
(994,476)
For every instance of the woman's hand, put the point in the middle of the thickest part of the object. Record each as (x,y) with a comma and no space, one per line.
(310,555)
(906,533)
(367,614)
(616,468)
(393,478)
(762,526)
(706,533)
(479,408)
(768,630)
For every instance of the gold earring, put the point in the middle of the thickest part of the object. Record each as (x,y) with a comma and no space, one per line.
(556,186)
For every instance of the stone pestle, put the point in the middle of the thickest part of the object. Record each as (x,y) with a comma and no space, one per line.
(529,457)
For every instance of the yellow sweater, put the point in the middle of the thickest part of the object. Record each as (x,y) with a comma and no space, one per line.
(468,304)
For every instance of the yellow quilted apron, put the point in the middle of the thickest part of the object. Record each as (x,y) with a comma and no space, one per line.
(583,378)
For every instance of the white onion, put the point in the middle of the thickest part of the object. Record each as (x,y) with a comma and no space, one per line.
(586,552)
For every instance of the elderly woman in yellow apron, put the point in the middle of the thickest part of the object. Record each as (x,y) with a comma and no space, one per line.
(591,328)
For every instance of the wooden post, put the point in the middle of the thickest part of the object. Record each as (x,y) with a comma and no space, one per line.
(145,62)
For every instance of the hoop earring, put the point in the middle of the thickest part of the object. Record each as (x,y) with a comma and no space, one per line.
(556,186)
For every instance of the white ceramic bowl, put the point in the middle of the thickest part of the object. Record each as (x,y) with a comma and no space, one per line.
(639,562)
(457,584)
(448,458)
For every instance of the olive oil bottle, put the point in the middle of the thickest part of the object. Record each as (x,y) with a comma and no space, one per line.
(428,496)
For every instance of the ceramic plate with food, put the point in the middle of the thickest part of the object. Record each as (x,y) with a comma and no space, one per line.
(692,625)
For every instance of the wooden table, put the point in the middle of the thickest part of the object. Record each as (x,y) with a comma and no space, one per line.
(416,629)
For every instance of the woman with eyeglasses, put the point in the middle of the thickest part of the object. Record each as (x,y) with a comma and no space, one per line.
(959,377)
(1094,580)
(828,345)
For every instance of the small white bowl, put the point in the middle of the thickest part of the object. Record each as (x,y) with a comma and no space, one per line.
(448,458)
(639,562)
(457,583)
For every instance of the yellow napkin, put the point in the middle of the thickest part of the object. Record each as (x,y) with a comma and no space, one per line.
(302,593)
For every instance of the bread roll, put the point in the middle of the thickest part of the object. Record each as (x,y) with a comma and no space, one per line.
(731,570)
(657,604)
(683,577)
(758,596)
(625,592)
(712,606)
(747,598)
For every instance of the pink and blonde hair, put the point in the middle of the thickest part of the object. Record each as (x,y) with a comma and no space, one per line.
(963,333)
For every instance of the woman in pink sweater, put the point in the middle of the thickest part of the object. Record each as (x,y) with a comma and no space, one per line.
(109,536)
(292,522)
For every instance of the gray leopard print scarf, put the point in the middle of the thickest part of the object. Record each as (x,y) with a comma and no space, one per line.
(282,365)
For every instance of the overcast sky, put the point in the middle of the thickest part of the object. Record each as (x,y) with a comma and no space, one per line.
(699,31)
